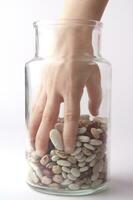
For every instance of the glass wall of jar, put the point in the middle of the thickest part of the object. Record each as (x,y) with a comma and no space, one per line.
(85,170)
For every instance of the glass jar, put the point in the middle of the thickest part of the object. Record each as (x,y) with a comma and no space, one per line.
(85,171)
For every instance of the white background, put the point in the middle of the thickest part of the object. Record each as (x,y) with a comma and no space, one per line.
(16,47)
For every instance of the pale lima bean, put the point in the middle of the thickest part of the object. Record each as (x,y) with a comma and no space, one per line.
(95,133)
(100,155)
(59,127)
(95,142)
(101,148)
(52,152)
(78,144)
(54,185)
(46,180)
(56,169)
(75,172)
(89,146)
(39,173)
(84,169)
(36,168)
(50,165)
(64,175)
(81,164)
(56,139)
(82,130)
(34,157)
(86,151)
(64,163)
(74,186)
(58,178)
(55,158)
(94,177)
(34,177)
(84,186)
(47,172)
(101,119)
(97,183)
(90,158)
(33,166)
(79,156)
(71,177)
(83,138)
(98,167)
(66,182)
(61,154)
(82,159)
(77,151)
(66,169)
(45,160)
(80,181)
(72,159)
(92,163)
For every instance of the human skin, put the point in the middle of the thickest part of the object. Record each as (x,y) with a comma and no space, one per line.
(65,80)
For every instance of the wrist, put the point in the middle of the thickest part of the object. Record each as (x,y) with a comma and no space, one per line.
(72,40)
(83,9)
(75,9)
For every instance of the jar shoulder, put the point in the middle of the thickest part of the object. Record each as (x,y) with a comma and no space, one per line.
(36,61)
(102,60)
(33,60)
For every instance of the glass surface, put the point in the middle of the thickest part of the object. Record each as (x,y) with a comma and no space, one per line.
(86,170)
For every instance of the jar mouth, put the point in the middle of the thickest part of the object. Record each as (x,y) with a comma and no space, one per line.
(59,22)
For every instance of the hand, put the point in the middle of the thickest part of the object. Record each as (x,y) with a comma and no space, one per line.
(64,81)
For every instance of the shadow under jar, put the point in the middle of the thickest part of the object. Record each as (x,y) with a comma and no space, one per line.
(85,171)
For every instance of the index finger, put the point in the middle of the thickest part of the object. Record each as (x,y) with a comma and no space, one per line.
(71,117)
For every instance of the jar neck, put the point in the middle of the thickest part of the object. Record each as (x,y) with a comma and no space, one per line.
(80,39)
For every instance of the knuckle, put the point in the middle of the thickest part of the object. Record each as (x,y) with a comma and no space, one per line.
(39,109)
(71,116)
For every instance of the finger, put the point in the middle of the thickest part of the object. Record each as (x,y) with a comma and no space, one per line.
(36,99)
(94,91)
(36,116)
(40,89)
(71,117)
(49,118)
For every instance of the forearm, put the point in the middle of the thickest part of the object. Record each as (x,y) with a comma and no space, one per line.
(84,9)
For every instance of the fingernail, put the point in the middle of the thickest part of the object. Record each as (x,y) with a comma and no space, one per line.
(96,112)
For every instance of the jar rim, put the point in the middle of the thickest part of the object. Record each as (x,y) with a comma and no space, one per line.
(91,23)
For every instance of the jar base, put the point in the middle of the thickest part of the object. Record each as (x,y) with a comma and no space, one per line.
(63,192)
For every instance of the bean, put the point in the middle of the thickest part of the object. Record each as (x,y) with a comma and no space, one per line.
(46,180)
(56,139)
(90,158)
(77,151)
(75,172)
(45,160)
(82,130)
(83,138)
(74,186)
(64,163)
(58,178)
(56,169)
(71,177)
(95,142)
(84,169)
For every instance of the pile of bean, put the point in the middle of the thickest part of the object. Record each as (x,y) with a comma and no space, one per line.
(85,168)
